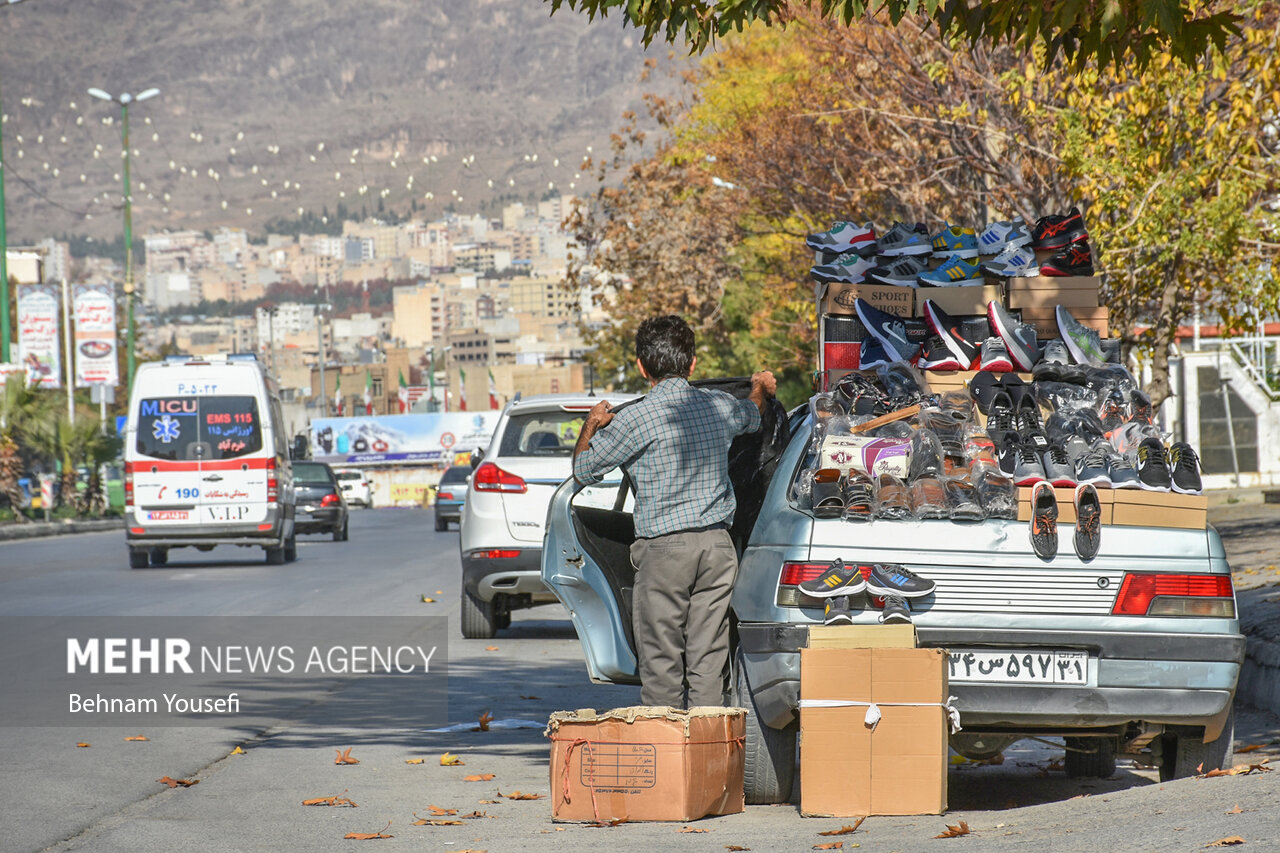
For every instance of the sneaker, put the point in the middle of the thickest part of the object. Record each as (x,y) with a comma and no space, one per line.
(1019,338)
(1027,467)
(1075,259)
(1054,232)
(1153,466)
(1007,453)
(1185,465)
(1057,466)
(995,357)
(904,240)
(1055,352)
(1027,415)
(892,579)
(837,611)
(1044,521)
(843,237)
(953,272)
(896,611)
(1089,462)
(887,328)
(1084,343)
(948,329)
(1012,261)
(859,498)
(979,449)
(849,268)
(1140,410)
(955,240)
(898,271)
(838,580)
(1120,469)
(935,356)
(872,355)
(1000,416)
(1088,522)
(1000,236)
(1112,411)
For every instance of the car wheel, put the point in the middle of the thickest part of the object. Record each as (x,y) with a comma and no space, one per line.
(138,558)
(291,549)
(1183,755)
(275,556)
(1090,757)
(441,524)
(346,528)
(159,556)
(478,622)
(769,764)
(340,532)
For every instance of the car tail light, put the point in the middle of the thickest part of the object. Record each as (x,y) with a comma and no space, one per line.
(445,496)
(496,554)
(490,478)
(273,485)
(1143,594)
(328,500)
(128,485)
(794,574)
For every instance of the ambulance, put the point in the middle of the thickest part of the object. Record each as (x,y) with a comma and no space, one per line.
(207,460)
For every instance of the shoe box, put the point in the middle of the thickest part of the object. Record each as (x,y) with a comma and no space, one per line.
(1046,292)
(841,341)
(1066,498)
(838,298)
(646,764)
(1045,321)
(961,301)
(874,729)
(1143,508)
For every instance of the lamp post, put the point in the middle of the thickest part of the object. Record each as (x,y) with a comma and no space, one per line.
(4,243)
(124,100)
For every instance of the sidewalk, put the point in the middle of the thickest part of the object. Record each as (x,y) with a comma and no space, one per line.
(37,529)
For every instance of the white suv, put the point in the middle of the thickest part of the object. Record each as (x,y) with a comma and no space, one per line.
(505,514)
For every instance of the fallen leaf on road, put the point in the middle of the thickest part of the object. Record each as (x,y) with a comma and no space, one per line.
(485,719)
(173,783)
(344,757)
(335,800)
(844,830)
(478,777)
(1253,747)
(1238,770)
(488,802)
(1236,810)
(601,824)
(422,821)
(490,648)
(414,760)
(477,814)
(1056,764)
(956,831)
(440,811)
(530,697)
(426,600)
(834,845)
(439,592)
(689,829)
(451,760)
(1229,841)
(138,737)
(735,847)
(370,836)
(516,795)
(82,745)
(998,758)
(236,751)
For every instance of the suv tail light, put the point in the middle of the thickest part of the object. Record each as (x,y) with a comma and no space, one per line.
(1144,594)
(329,500)
(794,574)
(490,478)
(128,485)
(445,496)
(273,485)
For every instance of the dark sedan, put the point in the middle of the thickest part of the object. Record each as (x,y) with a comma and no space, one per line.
(321,508)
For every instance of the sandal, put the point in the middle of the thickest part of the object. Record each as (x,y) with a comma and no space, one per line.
(828,493)
(892,498)
(859,498)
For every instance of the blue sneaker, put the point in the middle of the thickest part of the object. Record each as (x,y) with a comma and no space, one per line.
(999,236)
(1012,261)
(893,579)
(889,329)
(955,240)
(849,268)
(955,271)
(903,239)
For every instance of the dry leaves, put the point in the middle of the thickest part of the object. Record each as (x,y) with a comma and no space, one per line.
(1236,810)
(414,760)
(335,800)
(478,777)
(833,845)
(370,836)
(516,795)
(617,821)
(426,600)
(344,757)
(1253,747)
(236,751)
(1229,841)
(735,847)
(844,830)
(478,814)
(1238,770)
(422,821)
(485,719)
(174,783)
(138,737)
(82,745)
(689,829)
(439,811)
(1051,767)
(490,648)
(451,760)
(488,802)
(956,831)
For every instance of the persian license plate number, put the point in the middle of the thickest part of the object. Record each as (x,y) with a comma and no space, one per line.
(1019,666)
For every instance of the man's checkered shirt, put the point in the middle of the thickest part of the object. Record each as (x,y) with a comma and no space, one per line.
(675,445)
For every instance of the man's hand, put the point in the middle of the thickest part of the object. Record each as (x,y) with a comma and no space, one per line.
(600,415)
(765,381)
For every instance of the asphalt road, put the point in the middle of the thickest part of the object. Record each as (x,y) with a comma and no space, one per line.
(54,795)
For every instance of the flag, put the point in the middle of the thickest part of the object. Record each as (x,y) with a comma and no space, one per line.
(493,391)
(368,393)
(337,400)
(403,394)
(462,390)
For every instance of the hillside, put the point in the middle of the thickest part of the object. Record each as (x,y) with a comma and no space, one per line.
(281,96)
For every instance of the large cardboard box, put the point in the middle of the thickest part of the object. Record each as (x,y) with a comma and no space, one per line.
(839,298)
(1142,508)
(850,767)
(1066,504)
(643,763)
(1047,292)
(966,300)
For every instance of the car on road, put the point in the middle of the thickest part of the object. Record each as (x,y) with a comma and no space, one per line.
(451,495)
(1143,642)
(321,507)
(501,527)
(356,488)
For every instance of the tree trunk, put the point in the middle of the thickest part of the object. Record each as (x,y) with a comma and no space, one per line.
(10,473)
(1164,332)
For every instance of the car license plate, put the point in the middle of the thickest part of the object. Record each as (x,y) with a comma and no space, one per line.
(1019,666)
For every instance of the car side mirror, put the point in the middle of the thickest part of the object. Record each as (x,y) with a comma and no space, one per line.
(299,449)
(477,456)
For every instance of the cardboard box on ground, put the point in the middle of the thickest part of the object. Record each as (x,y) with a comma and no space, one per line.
(646,764)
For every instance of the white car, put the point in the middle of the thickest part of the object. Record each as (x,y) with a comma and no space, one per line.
(505,513)
(356,489)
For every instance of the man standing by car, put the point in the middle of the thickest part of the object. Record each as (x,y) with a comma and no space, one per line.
(674,444)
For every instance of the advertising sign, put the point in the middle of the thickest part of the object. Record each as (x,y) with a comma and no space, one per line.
(38,334)
(399,438)
(9,369)
(94,307)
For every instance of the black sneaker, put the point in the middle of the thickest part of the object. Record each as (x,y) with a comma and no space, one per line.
(838,612)
(1088,522)
(1044,521)
(890,330)
(1153,466)
(948,329)
(1186,469)
(1112,411)
(896,611)
(1019,338)
(892,579)
(837,580)
(1028,414)
(935,355)
(1000,416)
(1054,231)
(1075,259)
(1140,410)
(899,271)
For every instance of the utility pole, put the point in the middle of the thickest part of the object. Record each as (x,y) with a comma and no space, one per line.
(324,389)
(5,332)
(70,369)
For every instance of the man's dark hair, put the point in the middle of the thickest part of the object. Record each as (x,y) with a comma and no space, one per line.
(665,347)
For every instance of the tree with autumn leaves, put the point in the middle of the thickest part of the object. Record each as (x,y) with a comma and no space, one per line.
(785,129)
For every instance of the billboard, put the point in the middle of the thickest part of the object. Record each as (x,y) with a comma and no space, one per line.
(38,347)
(94,306)
(401,438)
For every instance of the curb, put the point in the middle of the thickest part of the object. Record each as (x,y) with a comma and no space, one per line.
(40,529)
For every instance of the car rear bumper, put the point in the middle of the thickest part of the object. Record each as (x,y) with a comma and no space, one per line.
(318,520)
(449,511)
(1172,679)
(485,577)
(177,536)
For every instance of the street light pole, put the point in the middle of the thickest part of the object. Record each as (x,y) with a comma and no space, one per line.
(124,100)
(4,244)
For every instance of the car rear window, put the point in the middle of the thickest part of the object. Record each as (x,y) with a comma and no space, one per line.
(541,434)
(456,474)
(206,428)
(348,475)
(311,472)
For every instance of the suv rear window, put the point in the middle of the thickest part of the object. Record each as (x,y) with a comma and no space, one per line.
(348,475)
(311,472)
(206,428)
(541,434)
(456,474)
